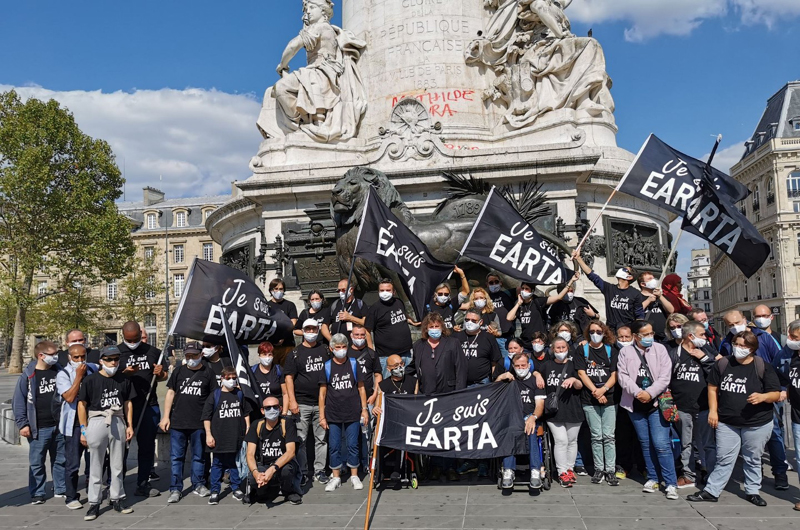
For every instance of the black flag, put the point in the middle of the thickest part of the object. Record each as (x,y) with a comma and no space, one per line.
(503,240)
(480,422)
(714,218)
(247,383)
(670,179)
(384,240)
(215,293)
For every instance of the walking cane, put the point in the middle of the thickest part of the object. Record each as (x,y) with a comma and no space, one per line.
(372,462)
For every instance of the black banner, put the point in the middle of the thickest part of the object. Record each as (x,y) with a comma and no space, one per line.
(384,240)
(478,422)
(212,287)
(504,241)
(670,179)
(247,379)
(714,218)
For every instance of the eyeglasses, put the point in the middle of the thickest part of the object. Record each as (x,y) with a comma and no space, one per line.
(114,361)
(473,320)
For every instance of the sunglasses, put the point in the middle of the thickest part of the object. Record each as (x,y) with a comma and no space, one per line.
(494,283)
(273,407)
(474,321)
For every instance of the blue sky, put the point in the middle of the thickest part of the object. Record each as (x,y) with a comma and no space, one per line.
(156,77)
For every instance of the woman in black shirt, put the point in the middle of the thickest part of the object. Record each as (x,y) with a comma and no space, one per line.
(741,391)
(315,302)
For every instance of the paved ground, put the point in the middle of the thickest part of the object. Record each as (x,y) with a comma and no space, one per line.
(464,505)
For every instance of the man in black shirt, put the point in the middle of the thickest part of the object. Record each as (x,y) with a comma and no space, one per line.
(623,301)
(346,312)
(303,366)
(213,359)
(188,389)
(387,321)
(143,365)
(272,444)
(529,309)
(502,300)
(398,381)
(74,337)
(711,334)
(573,308)
(655,304)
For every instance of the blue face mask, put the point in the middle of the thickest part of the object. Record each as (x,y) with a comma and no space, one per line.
(647,341)
(435,333)
(705,324)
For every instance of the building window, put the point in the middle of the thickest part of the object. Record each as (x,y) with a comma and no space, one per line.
(206,214)
(151,221)
(180,342)
(42,288)
(793,185)
(758,284)
(746,294)
(797,125)
(177,253)
(208,251)
(150,320)
(756,198)
(771,248)
(178,285)
(707,307)
(180,219)
(774,286)
(149,252)
(705,295)
(770,191)
(798,242)
(111,290)
(150,293)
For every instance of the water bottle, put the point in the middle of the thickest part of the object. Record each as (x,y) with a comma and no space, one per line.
(364,427)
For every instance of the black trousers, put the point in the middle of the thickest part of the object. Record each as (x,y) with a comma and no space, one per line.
(288,481)
(73,450)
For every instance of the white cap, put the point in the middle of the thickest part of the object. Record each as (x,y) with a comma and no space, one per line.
(623,273)
(310,322)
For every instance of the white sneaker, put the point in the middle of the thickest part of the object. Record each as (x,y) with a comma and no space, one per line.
(672,493)
(333,483)
(650,486)
(356,482)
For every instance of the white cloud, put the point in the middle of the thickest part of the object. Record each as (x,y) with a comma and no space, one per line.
(198,140)
(651,18)
(727,157)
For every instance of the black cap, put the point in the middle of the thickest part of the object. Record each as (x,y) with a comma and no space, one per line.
(109,351)
(193,347)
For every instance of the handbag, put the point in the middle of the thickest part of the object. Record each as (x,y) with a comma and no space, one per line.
(666,404)
(552,398)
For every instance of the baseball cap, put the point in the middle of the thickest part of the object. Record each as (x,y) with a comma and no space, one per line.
(623,273)
(193,347)
(310,322)
(109,351)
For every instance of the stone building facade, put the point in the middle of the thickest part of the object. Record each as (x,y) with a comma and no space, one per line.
(700,291)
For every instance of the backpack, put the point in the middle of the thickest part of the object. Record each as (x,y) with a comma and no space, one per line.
(262,421)
(586,352)
(507,364)
(353,365)
(277,367)
(760,366)
(218,395)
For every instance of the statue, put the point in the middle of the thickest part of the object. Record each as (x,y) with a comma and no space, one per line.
(327,98)
(540,65)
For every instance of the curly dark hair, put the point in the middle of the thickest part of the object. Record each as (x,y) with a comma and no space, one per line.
(433,318)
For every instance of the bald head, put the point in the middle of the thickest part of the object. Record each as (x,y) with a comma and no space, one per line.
(394,362)
(734,318)
(77,353)
(131,331)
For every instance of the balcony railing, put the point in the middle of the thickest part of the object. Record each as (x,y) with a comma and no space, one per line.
(756,206)
(793,194)
(770,198)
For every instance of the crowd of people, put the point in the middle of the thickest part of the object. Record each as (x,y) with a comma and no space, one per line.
(613,394)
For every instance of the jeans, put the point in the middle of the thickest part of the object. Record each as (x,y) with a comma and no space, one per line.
(565,444)
(501,343)
(694,430)
(351,431)
(221,463)
(309,419)
(730,439)
(777,451)
(602,423)
(510,462)
(48,442)
(73,450)
(796,436)
(146,440)
(178,440)
(654,436)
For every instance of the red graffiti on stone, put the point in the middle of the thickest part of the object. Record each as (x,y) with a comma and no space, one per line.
(439,102)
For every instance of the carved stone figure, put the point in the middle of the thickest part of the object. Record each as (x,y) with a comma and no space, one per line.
(540,65)
(327,98)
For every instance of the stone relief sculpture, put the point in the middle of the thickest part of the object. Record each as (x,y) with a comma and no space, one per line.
(540,65)
(325,99)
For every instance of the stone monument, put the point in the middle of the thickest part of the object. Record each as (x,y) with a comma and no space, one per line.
(500,90)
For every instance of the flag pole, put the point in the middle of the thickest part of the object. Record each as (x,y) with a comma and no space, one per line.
(353,263)
(475,226)
(372,462)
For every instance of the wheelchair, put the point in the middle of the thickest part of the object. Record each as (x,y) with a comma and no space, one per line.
(522,475)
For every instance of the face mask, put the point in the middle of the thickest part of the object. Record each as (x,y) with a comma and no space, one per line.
(763,322)
(698,342)
(385,295)
(705,324)
(561,356)
(740,353)
(50,360)
(342,296)
(209,352)
(110,370)
(398,372)
(272,414)
(793,345)
(624,343)
(651,284)
(230,384)
(526,294)
(471,326)
(132,345)
(522,373)
(76,365)
(193,363)
(340,354)
(596,337)
(359,342)
(310,337)
(442,299)
(480,303)
(277,295)
(647,342)
(316,306)
(495,288)
(265,361)
(738,329)
(570,296)
(538,348)
(566,335)
(435,333)
(676,333)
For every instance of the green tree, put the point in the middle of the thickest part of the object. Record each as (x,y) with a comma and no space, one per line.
(141,291)
(57,211)
(55,313)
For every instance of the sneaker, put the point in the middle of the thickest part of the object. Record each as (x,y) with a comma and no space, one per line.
(581,471)
(611,479)
(564,480)
(174,496)
(214,499)
(92,513)
(483,470)
(119,506)
(757,500)
(304,481)
(356,482)
(508,479)
(650,486)
(572,476)
(452,476)
(781,483)
(294,498)
(672,493)
(238,495)
(146,491)
(74,505)
(37,500)
(620,473)
(598,477)
(701,496)
(64,495)
(321,477)
(333,483)
(201,490)
(685,482)
(467,467)
(536,479)
(154,476)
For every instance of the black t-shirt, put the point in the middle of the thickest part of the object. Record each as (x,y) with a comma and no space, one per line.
(192,388)
(530,316)
(45,381)
(598,368)
(304,365)
(529,393)
(271,444)
(738,382)
(406,386)
(448,312)
(481,351)
(322,317)
(621,304)
(688,385)
(356,307)
(269,383)
(145,357)
(657,316)
(290,310)
(537,362)
(570,409)
(389,326)
(216,368)
(502,302)
(792,384)
(369,365)
(104,393)
(571,311)
(342,401)
(227,420)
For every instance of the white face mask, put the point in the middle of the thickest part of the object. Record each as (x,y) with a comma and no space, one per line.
(209,352)
(193,363)
(526,294)
(596,337)
(230,384)
(310,337)
(738,329)
(265,361)
(471,326)
(793,345)
(76,364)
(442,299)
(566,335)
(316,306)
(50,360)
(342,296)
(522,373)
(277,295)
(740,353)
(495,288)
(340,354)
(651,284)
(570,296)
(538,348)
(480,303)
(624,343)
(561,356)
(359,342)
(399,371)
(763,322)
(698,342)
(132,345)
(110,370)
(677,333)
(385,295)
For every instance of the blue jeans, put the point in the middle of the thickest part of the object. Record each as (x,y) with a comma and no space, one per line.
(654,436)
(221,463)
(73,450)
(178,440)
(796,436)
(48,442)
(777,451)
(501,343)
(352,431)
(730,440)
(510,462)
(146,440)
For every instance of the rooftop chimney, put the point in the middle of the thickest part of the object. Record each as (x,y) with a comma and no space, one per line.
(152,196)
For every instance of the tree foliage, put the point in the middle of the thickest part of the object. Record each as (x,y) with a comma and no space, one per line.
(141,291)
(76,307)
